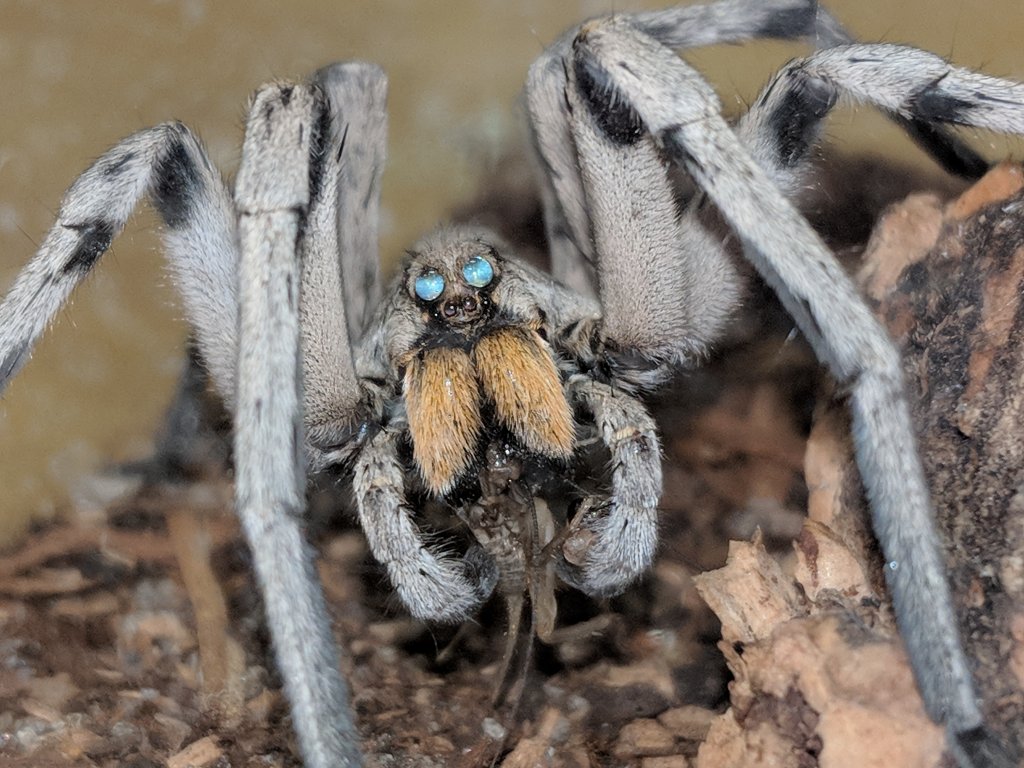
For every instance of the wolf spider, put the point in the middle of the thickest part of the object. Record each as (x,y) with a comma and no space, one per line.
(473,376)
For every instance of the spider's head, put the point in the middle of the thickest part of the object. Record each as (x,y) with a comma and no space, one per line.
(451,276)
(474,365)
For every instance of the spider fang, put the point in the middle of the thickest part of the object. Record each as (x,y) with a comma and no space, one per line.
(443,408)
(518,374)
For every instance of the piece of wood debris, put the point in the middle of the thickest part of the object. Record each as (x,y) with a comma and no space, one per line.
(199,754)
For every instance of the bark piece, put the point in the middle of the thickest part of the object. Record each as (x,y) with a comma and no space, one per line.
(198,754)
(958,318)
(690,722)
(830,685)
(644,738)
(221,658)
(751,594)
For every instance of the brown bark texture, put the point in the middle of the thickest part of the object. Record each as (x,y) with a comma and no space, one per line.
(821,677)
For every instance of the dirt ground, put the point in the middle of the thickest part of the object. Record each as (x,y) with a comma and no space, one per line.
(133,634)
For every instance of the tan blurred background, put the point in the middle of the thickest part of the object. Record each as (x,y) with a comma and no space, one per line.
(78,76)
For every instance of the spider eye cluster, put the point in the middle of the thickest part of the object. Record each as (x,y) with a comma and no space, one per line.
(478,272)
(429,285)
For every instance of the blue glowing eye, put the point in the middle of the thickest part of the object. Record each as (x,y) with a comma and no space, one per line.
(478,271)
(429,286)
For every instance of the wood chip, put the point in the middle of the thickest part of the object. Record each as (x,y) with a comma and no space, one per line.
(173,730)
(669,761)
(46,581)
(52,691)
(538,750)
(198,754)
(41,710)
(76,743)
(750,594)
(644,738)
(221,658)
(88,607)
(826,564)
(689,722)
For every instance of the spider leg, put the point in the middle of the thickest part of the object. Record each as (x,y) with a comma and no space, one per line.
(170,165)
(608,550)
(338,246)
(357,95)
(435,587)
(566,218)
(666,289)
(666,286)
(915,87)
(272,194)
(567,221)
(737,21)
(202,240)
(637,81)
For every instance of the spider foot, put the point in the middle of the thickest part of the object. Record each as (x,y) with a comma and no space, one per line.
(445,590)
(607,547)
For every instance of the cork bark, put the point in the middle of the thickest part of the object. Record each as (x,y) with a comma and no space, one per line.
(821,677)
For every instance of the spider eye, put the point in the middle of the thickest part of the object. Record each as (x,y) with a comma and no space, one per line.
(429,286)
(478,272)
